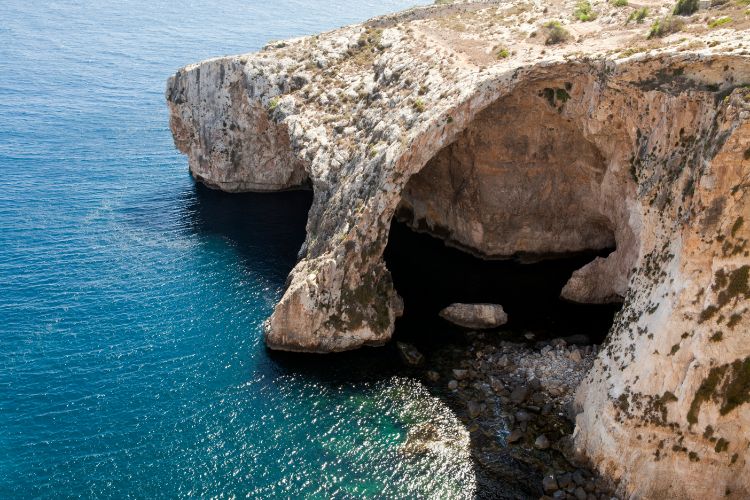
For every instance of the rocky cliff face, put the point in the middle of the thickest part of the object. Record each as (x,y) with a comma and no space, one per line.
(468,122)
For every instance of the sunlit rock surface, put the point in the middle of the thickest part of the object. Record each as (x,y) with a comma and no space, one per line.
(462,121)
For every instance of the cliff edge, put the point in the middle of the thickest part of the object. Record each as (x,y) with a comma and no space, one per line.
(522,127)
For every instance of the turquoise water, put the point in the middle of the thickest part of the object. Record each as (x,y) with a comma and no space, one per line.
(131,300)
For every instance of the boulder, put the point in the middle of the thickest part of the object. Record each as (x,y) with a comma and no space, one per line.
(479,316)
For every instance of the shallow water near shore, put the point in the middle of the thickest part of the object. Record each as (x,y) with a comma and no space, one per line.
(132,300)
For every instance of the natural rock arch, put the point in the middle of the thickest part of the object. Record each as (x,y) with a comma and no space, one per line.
(662,143)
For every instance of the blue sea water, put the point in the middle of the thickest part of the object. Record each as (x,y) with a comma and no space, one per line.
(131,300)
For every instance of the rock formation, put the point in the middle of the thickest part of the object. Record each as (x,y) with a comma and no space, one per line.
(478,316)
(504,133)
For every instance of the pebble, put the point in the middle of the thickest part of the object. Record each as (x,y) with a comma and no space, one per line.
(549,483)
(519,394)
(474,408)
(453,385)
(496,384)
(558,343)
(460,374)
(541,443)
(515,436)
(565,480)
(575,356)
(534,384)
(523,416)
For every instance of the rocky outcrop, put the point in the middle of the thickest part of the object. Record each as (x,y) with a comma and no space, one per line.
(466,122)
(478,316)
(232,142)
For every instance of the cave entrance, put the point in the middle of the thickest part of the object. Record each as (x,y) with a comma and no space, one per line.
(430,275)
(517,198)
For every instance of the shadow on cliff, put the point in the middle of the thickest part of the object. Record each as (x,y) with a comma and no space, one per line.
(265,229)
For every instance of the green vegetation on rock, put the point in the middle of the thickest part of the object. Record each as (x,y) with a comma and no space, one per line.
(685,7)
(555,33)
(665,26)
(715,23)
(273,104)
(584,12)
(638,15)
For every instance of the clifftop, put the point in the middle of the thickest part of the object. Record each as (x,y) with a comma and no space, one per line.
(522,128)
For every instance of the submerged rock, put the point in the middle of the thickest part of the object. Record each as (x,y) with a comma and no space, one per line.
(409,354)
(421,438)
(478,316)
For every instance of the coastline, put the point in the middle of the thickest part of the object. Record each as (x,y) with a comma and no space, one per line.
(642,151)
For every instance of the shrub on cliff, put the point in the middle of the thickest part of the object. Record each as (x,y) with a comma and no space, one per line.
(665,26)
(638,15)
(685,7)
(555,33)
(715,23)
(584,12)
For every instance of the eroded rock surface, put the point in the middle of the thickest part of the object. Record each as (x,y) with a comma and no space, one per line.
(462,121)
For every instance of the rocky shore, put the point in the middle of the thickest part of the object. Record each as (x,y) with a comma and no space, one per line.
(515,397)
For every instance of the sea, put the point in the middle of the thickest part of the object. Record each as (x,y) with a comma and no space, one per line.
(132,299)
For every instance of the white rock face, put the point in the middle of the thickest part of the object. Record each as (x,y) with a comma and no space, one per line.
(608,139)
(479,316)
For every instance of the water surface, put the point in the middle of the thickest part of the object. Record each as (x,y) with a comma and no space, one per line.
(131,300)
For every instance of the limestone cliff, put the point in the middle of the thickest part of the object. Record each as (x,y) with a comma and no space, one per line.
(504,133)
